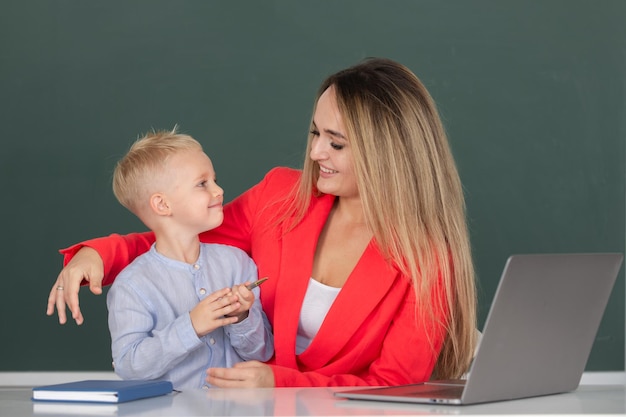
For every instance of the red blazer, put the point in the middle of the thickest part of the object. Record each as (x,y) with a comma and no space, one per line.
(370,335)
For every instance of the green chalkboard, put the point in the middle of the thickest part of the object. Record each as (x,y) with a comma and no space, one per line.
(532,94)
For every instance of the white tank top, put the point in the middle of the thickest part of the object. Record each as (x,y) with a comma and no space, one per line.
(317,302)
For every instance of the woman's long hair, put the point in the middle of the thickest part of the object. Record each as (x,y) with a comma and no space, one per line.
(411,194)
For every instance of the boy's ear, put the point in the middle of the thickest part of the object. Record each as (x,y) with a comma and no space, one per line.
(158,204)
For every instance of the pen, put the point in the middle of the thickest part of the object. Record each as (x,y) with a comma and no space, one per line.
(256,283)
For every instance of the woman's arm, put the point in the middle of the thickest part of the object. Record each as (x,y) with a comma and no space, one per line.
(95,262)
(98,261)
(113,253)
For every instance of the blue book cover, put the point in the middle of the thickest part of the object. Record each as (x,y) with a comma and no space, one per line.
(102,391)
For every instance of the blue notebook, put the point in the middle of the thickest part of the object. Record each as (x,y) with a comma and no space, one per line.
(102,391)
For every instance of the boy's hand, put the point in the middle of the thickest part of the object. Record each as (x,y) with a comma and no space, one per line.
(246,299)
(216,310)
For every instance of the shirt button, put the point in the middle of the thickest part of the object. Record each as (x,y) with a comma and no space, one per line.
(212,341)
(196,267)
(205,387)
(202,291)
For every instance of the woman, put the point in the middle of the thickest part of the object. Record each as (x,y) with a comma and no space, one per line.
(366,248)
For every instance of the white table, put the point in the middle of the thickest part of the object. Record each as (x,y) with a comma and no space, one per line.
(587,400)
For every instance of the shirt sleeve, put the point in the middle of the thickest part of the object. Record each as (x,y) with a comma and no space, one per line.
(139,352)
(239,214)
(252,338)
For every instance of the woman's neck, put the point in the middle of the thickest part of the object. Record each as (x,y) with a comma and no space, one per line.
(349,210)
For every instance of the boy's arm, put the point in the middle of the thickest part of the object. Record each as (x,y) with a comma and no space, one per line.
(252,338)
(139,350)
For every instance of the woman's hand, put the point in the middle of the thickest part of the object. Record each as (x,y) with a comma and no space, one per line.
(252,374)
(85,265)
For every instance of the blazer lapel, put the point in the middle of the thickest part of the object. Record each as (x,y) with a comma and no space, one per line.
(296,264)
(367,285)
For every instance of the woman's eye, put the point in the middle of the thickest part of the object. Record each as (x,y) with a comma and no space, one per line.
(314,132)
(336,146)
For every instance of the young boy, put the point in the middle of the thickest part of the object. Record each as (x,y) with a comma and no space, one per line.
(183,306)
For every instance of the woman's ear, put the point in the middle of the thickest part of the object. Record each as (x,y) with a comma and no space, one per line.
(159,204)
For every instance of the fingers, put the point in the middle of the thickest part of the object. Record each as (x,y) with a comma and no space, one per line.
(77,315)
(70,292)
(214,312)
(243,290)
(85,265)
(226,378)
(227,305)
(223,307)
(251,374)
(95,286)
(221,302)
(248,364)
(56,300)
(246,296)
(52,299)
(61,310)
(225,321)
(64,294)
(217,295)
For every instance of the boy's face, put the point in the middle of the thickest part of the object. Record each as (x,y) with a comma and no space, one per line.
(195,200)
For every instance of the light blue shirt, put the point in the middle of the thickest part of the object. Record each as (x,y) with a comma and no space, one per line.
(151,332)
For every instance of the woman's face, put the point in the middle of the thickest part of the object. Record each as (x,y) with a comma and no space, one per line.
(330,149)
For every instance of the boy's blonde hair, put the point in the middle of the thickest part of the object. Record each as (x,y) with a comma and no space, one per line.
(145,164)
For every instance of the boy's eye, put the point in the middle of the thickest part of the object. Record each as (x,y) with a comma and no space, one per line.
(202,184)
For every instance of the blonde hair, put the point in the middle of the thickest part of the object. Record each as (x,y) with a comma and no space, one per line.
(411,194)
(145,163)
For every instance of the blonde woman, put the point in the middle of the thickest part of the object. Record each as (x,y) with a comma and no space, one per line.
(366,248)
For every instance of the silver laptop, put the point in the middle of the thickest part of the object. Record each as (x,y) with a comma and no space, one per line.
(536,339)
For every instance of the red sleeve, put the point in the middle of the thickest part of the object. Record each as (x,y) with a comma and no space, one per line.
(240,215)
(235,230)
(116,251)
